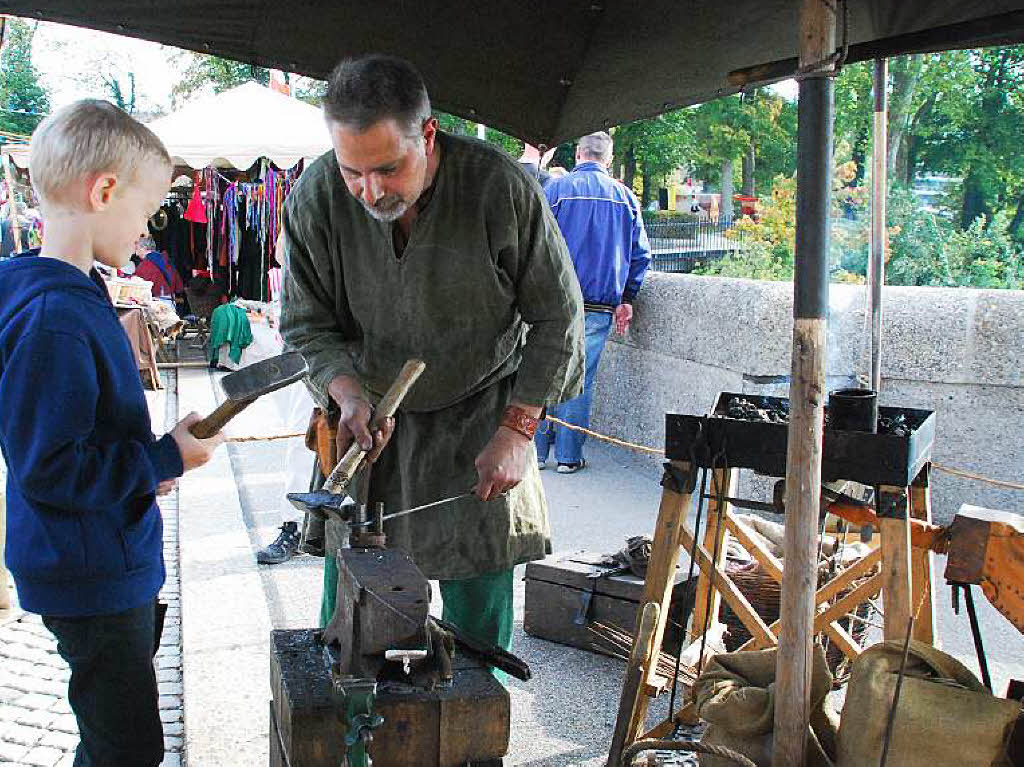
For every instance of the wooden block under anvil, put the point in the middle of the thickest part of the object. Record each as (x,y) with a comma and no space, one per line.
(448,727)
(558,586)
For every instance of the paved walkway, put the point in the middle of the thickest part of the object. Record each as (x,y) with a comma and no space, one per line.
(36,724)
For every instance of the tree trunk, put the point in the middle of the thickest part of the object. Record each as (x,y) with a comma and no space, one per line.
(725,208)
(645,198)
(1018,218)
(974,204)
(906,73)
(749,163)
(630,173)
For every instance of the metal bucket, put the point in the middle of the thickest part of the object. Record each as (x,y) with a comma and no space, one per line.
(853,410)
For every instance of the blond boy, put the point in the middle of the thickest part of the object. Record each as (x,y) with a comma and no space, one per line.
(84,533)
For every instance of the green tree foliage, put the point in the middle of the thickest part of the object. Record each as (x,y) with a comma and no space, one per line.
(972,128)
(23,99)
(309,90)
(216,72)
(756,129)
(460,126)
(654,148)
(929,249)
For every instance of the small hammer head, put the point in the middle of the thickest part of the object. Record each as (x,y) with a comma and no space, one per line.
(264,377)
(318,503)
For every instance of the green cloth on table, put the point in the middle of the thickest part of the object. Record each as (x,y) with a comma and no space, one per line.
(229,324)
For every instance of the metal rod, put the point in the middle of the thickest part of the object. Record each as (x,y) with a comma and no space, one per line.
(816,32)
(879,187)
(691,590)
(979,647)
(896,693)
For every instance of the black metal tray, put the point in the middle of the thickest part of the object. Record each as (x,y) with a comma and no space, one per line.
(872,459)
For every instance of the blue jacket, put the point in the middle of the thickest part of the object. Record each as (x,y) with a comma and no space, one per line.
(84,534)
(601,222)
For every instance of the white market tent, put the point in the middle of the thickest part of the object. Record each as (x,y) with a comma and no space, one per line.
(235,128)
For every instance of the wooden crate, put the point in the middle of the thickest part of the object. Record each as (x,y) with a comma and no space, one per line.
(469,721)
(555,589)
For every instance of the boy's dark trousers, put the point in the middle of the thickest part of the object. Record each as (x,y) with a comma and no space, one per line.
(113,689)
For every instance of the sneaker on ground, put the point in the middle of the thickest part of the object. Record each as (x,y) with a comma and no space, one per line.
(572,468)
(284,548)
(542,464)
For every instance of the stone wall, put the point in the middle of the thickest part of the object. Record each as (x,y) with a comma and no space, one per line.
(958,352)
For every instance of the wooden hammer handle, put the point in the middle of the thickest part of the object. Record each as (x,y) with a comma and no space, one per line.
(216,420)
(386,408)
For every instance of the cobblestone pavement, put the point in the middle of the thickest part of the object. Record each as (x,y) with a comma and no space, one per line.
(37,727)
(36,724)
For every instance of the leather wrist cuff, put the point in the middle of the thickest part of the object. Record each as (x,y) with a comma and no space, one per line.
(519,420)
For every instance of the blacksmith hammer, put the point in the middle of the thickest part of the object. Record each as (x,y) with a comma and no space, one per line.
(328,501)
(245,386)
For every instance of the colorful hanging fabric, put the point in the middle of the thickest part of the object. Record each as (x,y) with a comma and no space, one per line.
(196,211)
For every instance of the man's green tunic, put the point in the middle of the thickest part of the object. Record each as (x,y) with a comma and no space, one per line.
(485,293)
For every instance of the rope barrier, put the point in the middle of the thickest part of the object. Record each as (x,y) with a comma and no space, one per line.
(266,438)
(655,451)
(977,477)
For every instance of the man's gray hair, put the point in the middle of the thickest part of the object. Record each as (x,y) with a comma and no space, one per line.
(363,91)
(596,146)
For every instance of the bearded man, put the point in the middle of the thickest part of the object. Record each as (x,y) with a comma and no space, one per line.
(407,242)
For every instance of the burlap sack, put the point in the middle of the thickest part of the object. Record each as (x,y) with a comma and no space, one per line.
(735,694)
(945,717)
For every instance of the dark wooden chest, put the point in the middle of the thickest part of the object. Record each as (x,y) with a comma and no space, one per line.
(558,587)
(469,721)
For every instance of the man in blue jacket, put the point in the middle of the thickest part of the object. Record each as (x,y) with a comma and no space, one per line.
(600,219)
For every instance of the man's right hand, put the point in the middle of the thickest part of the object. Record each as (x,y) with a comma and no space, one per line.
(354,422)
(194,451)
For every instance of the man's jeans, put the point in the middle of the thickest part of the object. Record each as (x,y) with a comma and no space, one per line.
(113,688)
(569,443)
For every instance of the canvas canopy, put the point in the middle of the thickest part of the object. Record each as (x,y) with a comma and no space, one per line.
(543,70)
(235,128)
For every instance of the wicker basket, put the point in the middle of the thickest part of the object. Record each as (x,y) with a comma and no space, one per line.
(764,594)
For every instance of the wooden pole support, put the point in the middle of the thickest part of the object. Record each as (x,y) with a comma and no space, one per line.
(661,571)
(806,392)
(894,526)
(708,601)
(921,561)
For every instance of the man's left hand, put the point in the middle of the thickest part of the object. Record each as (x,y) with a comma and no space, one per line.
(502,464)
(623,316)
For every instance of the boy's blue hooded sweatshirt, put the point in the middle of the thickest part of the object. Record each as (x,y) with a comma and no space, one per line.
(84,534)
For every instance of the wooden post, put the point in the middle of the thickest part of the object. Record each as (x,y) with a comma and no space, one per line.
(723,484)
(665,548)
(894,527)
(921,560)
(806,393)
(876,263)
